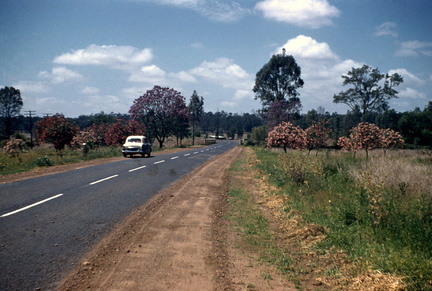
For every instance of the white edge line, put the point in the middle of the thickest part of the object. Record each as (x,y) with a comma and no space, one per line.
(173,158)
(32,205)
(162,161)
(101,180)
(139,168)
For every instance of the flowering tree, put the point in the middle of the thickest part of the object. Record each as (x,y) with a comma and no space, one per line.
(347,144)
(57,130)
(15,147)
(369,136)
(316,136)
(390,139)
(366,136)
(160,109)
(117,132)
(93,136)
(288,136)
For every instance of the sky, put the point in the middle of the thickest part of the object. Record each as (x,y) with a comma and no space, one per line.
(81,57)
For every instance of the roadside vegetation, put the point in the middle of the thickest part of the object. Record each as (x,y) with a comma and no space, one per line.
(338,221)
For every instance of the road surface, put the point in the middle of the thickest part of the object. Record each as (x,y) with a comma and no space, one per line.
(48,223)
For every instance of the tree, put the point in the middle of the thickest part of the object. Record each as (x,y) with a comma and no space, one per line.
(277,81)
(196,110)
(288,136)
(10,107)
(369,93)
(117,132)
(57,130)
(317,135)
(390,139)
(159,109)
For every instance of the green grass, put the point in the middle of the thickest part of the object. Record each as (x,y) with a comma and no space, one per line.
(378,211)
(251,222)
(43,157)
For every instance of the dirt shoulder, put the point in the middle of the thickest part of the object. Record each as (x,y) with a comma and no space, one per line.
(180,240)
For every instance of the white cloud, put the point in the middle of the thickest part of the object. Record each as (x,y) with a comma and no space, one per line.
(414,48)
(412,94)
(60,75)
(386,28)
(243,95)
(303,13)
(118,57)
(197,45)
(26,87)
(307,48)
(148,74)
(229,104)
(212,9)
(225,72)
(183,77)
(90,90)
(408,77)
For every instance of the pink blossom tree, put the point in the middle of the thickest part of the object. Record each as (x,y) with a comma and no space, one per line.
(160,109)
(391,139)
(288,136)
(317,135)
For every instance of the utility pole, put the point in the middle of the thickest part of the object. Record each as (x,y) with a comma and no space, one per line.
(29,113)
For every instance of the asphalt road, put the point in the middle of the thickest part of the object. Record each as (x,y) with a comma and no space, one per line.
(48,223)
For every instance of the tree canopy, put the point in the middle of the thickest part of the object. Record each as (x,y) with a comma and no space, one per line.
(10,107)
(278,80)
(162,110)
(56,129)
(371,89)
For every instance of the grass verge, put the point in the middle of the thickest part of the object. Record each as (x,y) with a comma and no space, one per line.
(351,223)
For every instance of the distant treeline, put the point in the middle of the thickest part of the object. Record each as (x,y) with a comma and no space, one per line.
(415,126)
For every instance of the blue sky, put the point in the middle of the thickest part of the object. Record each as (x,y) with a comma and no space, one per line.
(86,56)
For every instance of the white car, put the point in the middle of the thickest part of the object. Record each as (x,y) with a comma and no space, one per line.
(136,144)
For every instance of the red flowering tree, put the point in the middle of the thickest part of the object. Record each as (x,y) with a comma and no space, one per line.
(317,135)
(288,136)
(160,109)
(56,129)
(117,132)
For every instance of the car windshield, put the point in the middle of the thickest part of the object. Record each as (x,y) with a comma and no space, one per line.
(134,140)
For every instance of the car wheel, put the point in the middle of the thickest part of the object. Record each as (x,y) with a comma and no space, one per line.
(124,155)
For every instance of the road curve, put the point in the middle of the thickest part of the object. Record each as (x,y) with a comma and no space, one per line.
(48,223)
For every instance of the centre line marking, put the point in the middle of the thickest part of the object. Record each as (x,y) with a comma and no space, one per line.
(162,161)
(139,168)
(101,180)
(32,205)
(173,158)
(195,153)
(187,155)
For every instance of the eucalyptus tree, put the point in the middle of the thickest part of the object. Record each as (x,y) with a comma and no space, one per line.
(370,90)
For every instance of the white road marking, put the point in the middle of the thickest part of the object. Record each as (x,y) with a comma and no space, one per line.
(139,168)
(173,158)
(187,155)
(101,180)
(195,153)
(162,161)
(32,205)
